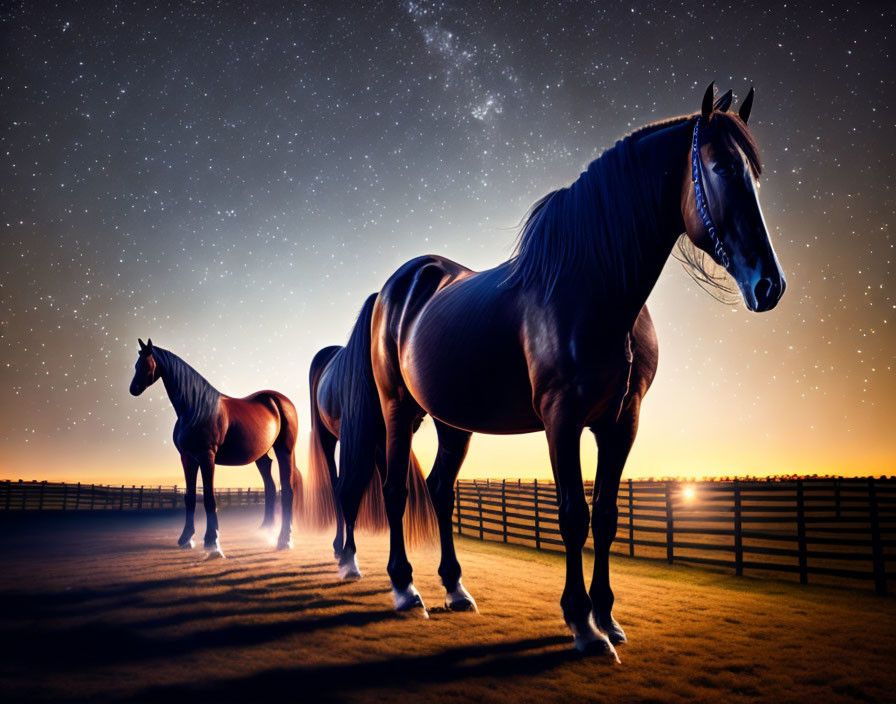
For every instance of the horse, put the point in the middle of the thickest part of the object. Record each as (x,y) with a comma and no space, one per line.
(344,402)
(556,339)
(215,429)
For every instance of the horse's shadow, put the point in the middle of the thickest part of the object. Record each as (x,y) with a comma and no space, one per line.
(333,682)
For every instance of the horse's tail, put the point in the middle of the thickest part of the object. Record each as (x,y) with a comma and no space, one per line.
(420,523)
(320,508)
(372,513)
(364,431)
(362,420)
(421,527)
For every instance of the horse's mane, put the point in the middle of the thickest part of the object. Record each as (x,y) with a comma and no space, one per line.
(194,399)
(593,227)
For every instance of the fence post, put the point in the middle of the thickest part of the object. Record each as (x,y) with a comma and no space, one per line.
(631,520)
(504,507)
(92,495)
(670,536)
(40,501)
(537,536)
(121,499)
(877,548)
(8,493)
(479,501)
(837,497)
(140,499)
(738,533)
(801,532)
(78,497)
(64,496)
(457,501)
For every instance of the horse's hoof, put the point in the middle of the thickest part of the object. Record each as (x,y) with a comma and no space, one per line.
(409,601)
(460,600)
(598,648)
(590,641)
(186,545)
(612,630)
(348,568)
(213,552)
(284,544)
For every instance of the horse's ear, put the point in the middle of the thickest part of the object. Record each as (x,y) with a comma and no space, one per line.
(746,106)
(706,108)
(149,344)
(723,103)
(142,346)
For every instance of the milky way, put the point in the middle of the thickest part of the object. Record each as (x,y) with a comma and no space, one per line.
(234,182)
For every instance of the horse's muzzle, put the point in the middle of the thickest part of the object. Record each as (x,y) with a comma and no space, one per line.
(766,293)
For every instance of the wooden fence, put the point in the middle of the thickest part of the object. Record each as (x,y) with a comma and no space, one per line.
(830,529)
(59,496)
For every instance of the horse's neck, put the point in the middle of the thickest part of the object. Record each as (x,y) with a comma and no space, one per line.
(663,155)
(182,382)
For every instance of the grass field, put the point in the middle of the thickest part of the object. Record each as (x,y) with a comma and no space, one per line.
(104,608)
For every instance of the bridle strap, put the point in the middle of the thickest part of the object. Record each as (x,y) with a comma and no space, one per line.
(700,197)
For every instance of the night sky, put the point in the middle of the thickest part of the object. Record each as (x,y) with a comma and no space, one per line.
(233,182)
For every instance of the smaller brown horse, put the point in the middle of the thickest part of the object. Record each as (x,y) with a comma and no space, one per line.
(214,429)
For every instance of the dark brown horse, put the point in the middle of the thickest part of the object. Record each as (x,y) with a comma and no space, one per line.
(215,429)
(344,401)
(557,338)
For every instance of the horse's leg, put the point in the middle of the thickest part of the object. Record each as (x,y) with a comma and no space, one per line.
(191,468)
(357,467)
(328,445)
(453,444)
(399,431)
(563,433)
(264,464)
(207,468)
(284,448)
(614,443)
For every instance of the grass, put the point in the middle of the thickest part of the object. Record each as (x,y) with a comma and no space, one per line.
(108,609)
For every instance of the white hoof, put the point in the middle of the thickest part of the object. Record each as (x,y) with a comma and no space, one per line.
(348,567)
(214,552)
(408,600)
(591,641)
(284,544)
(611,629)
(460,600)
(189,545)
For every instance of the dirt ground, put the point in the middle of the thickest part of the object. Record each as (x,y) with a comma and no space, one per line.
(104,607)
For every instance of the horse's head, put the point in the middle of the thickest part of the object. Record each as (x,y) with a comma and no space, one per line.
(720,203)
(146,370)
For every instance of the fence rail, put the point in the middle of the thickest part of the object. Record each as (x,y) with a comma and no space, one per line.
(60,496)
(833,529)
(826,529)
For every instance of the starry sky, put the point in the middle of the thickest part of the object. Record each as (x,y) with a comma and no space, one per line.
(233,179)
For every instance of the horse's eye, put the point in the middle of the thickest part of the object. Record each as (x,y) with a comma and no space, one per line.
(724,169)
